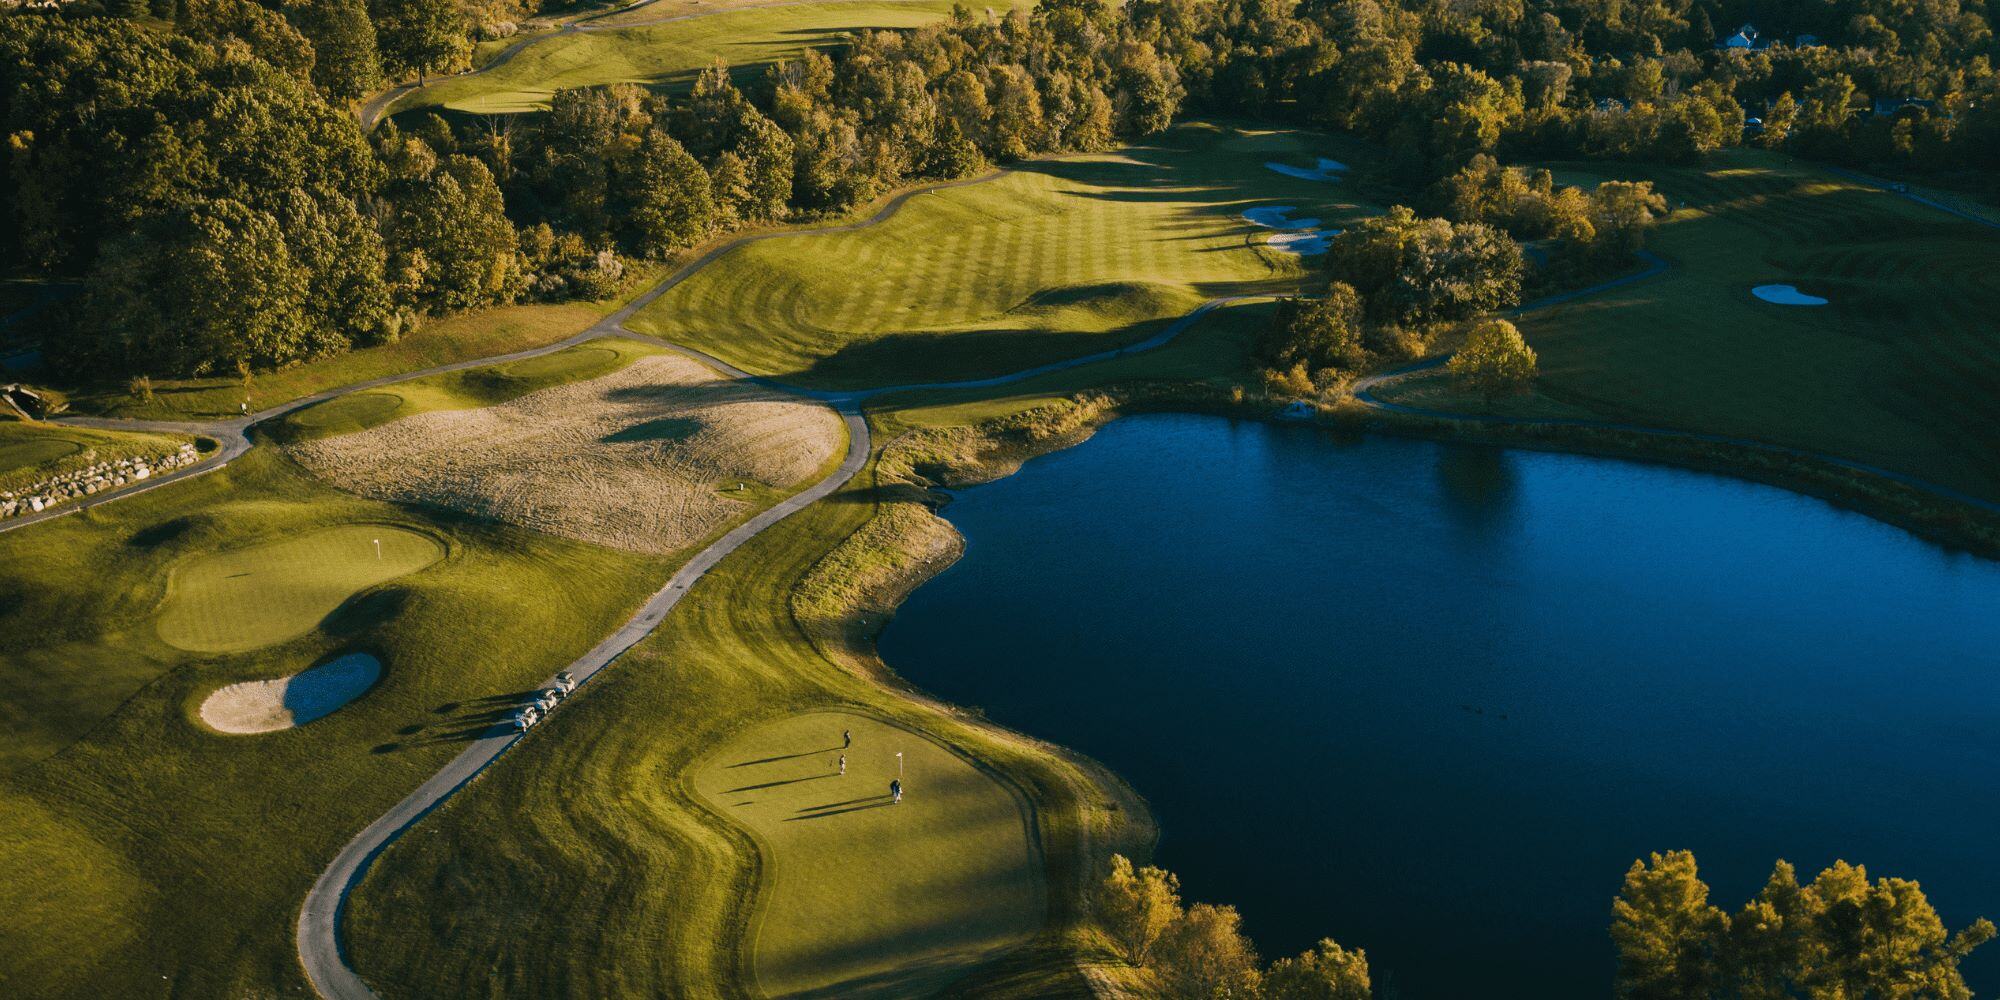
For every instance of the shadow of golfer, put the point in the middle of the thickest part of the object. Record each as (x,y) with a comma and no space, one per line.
(788,756)
(882,802)
(774,784)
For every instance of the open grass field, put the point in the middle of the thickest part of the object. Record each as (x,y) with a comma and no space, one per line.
(1055,259)
(650,457)
(1896,371)
(241,599)
(666,53)
(31,451)
(861,896)
(477,334)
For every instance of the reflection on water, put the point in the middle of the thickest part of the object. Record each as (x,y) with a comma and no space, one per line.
(1432,700)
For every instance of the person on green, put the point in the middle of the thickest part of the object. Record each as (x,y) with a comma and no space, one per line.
(843,763)
(846,739)
(896,791)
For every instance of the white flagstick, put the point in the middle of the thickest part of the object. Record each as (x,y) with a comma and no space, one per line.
(378,548)
(899,764)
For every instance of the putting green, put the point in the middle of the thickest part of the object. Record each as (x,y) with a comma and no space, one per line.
(246,598)
(862,897)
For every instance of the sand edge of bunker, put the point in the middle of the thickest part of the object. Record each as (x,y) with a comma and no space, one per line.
(280,703)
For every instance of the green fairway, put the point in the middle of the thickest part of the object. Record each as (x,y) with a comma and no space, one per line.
(861,896)
(1055,259)
(246,598)
(666,53)
(1895,371)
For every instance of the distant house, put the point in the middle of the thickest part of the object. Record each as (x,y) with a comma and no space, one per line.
(1613,104)
(1744,38)
(1889,107)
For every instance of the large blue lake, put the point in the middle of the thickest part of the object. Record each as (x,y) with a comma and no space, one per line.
(1432,700)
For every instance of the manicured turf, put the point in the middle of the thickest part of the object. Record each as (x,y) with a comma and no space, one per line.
(241,599)
(856,890)
(666,54)
(1055,259)
(1897,371)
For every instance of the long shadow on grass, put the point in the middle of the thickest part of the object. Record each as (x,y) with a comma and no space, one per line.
(775,784)
(787,756)
(878,802)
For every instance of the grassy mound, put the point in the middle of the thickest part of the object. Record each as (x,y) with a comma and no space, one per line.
(667,53)
(251,597)
(33,451)
(1054,259)
(1895,371)
(462,390)
(859,896)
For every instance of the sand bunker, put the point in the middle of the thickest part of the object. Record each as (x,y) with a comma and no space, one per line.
(1277,217)
(268,706)
(1305,244)
(1786,295)
(1324,170)
(636,460)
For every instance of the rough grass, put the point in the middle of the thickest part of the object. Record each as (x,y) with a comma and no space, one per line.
(1897,371)
(1054,259)
(650,458)
(31,451)
(664,53)
(241,599)
(859,896)
(477,334)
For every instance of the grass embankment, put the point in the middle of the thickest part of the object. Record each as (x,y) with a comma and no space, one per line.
(665,53)
(461,337)
(1897,371)
(586,864)
(32,451)
(1057,258)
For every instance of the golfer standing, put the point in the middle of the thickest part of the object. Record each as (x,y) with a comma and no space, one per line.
(843,763)
(896,791)
(846,739)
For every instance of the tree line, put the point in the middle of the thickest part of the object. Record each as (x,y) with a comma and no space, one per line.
(194,163)
(1840,937)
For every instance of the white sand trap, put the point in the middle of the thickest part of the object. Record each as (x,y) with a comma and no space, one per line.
(1277,217)
(1324,170)
(1306,244)
(268,706)
(1786,295)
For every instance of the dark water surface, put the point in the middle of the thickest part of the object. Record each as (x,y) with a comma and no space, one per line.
(1432,700)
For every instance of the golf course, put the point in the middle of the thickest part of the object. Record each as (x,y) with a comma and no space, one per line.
(961,515)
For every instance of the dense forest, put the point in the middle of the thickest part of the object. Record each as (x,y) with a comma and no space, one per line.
(196,164)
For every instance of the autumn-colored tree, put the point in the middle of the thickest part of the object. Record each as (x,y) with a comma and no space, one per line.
(1203,955)
(1494,361)
(1328,972)
(1135,905)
